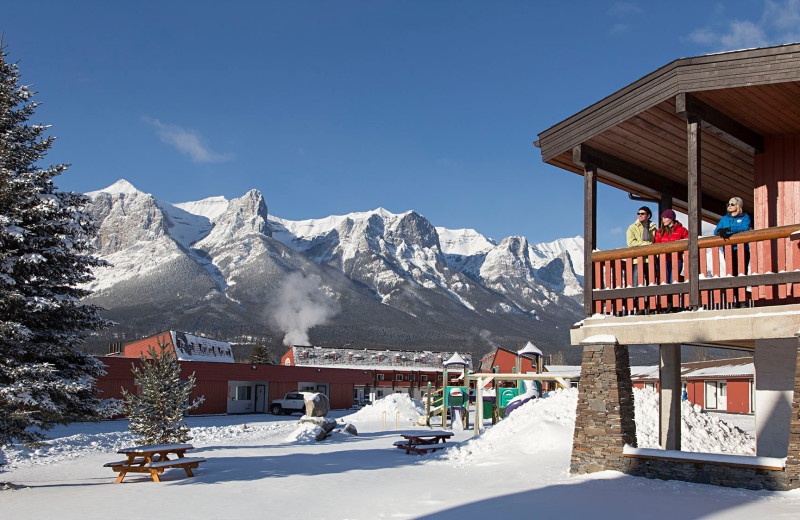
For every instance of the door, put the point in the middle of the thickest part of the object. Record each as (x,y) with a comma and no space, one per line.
(711,395)
(261,402)
(722,399)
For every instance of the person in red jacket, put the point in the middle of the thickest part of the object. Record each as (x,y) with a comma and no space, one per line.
(670,231)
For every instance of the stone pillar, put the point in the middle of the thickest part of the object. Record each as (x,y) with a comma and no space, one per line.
(776,368)
(793,455)
(604,420)
(669,397)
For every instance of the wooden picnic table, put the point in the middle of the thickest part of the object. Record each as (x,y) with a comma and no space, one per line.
(154,459)
(422,443)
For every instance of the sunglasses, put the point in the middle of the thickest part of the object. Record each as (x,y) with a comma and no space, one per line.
(641,213)
(733,204)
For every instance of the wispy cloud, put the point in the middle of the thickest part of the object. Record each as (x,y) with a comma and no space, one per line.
(186,141)
(616,231)
(779,24)
(622,12)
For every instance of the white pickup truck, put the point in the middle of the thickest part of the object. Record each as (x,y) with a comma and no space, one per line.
(292,402)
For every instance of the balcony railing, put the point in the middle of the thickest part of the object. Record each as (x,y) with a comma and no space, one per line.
(772,278)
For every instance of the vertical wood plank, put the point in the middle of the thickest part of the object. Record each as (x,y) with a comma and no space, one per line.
(694,145)
(704,301)
(728,272)
(716,273)
(598,277)
(589,232)
(651,273)
(618,282)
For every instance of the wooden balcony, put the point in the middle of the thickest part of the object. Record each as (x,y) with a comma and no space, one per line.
(707,280)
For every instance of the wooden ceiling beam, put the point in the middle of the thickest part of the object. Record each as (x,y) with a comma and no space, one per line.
(714,121)
(584,156)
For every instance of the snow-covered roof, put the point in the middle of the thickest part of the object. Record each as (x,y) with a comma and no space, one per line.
(734,367)
(370,359)
(529,349)
(456,359)
(189,347)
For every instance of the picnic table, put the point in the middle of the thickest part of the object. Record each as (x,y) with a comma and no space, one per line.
(154,459)
(422,443)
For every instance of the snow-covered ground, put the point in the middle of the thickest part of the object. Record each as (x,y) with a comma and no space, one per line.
(518,467)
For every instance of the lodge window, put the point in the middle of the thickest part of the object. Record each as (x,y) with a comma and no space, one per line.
(243,393)
(423,378)
(380,377)
(398,377)
(439,378)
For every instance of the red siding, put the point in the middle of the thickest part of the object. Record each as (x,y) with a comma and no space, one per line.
(776,196)
(212,380)
(507,361)
(137,348)
(341,395)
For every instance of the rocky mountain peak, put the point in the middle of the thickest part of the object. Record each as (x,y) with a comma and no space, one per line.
(126,216)
(243,216)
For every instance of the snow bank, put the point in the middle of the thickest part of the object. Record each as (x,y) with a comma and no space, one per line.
(539,425)
(410,410)
(700,431)
(547,424)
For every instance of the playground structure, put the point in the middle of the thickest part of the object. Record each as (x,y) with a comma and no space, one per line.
(454,399)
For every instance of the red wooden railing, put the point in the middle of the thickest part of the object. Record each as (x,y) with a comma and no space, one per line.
(773,277)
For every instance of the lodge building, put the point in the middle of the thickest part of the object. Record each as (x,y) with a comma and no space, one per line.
(690,136)
(393,371)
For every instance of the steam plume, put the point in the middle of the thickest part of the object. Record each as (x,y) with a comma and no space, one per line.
(301,305)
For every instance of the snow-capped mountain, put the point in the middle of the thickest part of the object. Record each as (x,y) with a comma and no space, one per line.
(228,268)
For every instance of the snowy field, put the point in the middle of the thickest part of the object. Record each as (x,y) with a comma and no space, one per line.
(256,470)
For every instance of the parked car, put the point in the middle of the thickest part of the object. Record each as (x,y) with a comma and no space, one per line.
(291,403)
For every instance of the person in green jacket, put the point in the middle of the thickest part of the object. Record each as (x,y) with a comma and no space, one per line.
(641,233)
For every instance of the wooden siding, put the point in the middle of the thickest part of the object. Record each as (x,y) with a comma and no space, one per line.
(341,395)
(777,203)
(213,379)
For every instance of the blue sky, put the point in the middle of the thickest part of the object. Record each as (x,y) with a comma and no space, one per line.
(330,107)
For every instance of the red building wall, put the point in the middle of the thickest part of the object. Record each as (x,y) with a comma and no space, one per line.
(776,196)
(212,380)
(507,361)
(137,348)
(737,393)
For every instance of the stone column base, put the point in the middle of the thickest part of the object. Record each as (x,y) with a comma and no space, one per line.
(605,418)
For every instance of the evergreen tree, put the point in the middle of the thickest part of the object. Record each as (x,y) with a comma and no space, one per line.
(261,355)
(156,414)
(44,261)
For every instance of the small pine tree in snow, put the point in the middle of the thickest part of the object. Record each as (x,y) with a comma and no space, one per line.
(44,261)
(261,355)
(156,414)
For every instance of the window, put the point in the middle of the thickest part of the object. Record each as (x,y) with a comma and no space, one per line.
(243,393)
(752,396)
(398,377)
(423,378)
(380,377)
(439,378)
(650,384)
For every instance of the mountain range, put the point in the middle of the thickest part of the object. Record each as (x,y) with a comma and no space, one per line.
(229,270)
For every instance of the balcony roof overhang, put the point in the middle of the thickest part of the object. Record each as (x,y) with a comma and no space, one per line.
(637,137)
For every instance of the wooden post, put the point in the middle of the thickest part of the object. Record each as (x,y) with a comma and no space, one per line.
(589,234)
(444,398)
(428,406)
(669,397)
(693,139)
